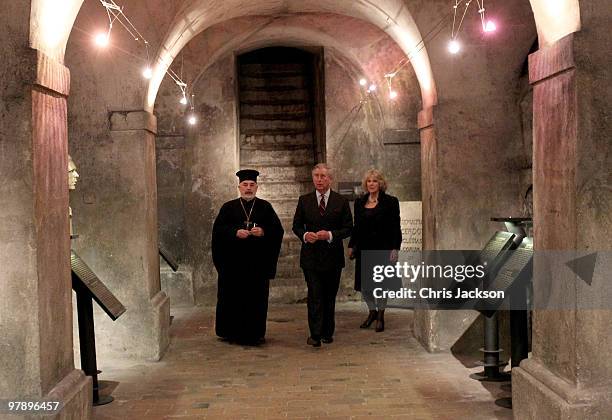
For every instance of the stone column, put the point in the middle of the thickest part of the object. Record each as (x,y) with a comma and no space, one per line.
(36,357)
(569,375)
(116,218)
(423,319)
(439,330)
(429,175)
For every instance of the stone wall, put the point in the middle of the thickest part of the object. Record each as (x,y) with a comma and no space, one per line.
(170,157)
(211,159)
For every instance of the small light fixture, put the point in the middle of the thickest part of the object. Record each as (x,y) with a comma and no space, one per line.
(147,73)
(192,120)
(372,88)
(183,100)
(392,94)
(363,82)
(101,39)
(454,46)
(490,26)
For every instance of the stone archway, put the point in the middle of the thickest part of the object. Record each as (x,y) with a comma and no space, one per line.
(209,179)
(555,20)
(392,16)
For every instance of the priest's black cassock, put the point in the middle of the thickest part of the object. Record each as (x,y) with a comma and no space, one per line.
(245,267)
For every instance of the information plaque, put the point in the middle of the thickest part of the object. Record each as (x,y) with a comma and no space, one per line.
(491,258)
(168,258)
(499,242)
(83,275)
(512,278)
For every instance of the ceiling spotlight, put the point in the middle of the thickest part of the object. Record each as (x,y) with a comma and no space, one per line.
(363,82)
(147,73)
(101,39)
(454,46)
(183,100)
(490,26)
(192,119)
(372,88)
(392,94)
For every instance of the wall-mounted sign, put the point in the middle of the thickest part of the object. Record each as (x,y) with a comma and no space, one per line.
(412,235)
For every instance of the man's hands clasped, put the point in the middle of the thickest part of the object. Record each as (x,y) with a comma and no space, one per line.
(243,233)
(312,237)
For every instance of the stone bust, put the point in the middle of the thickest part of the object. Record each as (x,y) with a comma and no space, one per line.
(73,177)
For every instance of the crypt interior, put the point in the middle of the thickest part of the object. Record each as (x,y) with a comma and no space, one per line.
(516,123)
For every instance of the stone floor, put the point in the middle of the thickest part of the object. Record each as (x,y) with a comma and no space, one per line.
(362,374)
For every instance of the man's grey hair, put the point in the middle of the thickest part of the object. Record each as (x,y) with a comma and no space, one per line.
(325,166)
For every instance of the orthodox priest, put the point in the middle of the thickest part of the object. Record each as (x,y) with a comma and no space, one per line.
(246,241)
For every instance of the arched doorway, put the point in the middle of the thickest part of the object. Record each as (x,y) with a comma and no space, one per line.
(281,120)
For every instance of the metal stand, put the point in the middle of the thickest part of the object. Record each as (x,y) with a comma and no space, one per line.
(491,351)
(519,341)
(518,318)
(87,340)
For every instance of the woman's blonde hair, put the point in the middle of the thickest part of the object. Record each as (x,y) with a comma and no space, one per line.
(376,174)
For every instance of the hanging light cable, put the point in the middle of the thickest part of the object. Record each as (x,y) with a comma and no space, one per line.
(115,13)
(192,119)
(389,77)
(454,46)
(103,39)
(419,46)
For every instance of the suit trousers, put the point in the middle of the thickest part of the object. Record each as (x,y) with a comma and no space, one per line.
(322,290)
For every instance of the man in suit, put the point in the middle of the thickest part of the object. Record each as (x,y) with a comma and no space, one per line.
(322,220)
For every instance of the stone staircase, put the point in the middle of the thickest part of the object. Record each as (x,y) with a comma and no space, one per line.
(276,138)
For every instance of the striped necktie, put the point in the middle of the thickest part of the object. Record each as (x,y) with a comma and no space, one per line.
(322,206)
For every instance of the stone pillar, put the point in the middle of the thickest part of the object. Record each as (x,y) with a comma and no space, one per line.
(437,330)
(117,224)
(429,175)
(569,375)
(35,299)
(423,319)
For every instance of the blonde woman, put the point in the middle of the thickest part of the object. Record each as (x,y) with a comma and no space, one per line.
(377,228)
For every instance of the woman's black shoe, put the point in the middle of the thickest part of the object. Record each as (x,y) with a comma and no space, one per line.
(371,318)
(380,321)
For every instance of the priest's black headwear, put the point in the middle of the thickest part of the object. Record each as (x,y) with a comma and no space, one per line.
(247,175)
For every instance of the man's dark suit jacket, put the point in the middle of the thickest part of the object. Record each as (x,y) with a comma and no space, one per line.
(337,219)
